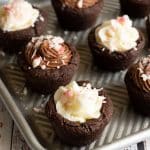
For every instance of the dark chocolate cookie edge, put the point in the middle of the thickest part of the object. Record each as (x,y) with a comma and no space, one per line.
(75,133)
(48,80)
(76,19)
(114,61)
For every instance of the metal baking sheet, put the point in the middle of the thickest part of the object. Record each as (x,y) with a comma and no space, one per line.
(27,108)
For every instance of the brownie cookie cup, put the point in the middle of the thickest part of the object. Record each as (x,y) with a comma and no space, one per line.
(48,62)
(137,82)
(19,22)
(79,113)
(77,15)
(115,44)
(135,8)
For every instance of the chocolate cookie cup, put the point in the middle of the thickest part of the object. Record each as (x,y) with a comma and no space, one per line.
(77,15)
(48,62)
(77,133)
(135,8)
(115,60)
(13,41)
(137,81)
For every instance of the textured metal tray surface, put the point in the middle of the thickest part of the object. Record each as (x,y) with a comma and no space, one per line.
(27,108)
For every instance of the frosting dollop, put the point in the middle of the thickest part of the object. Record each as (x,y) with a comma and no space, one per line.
(141,74)
(47,52)
(79,3)
(17,15)
(78,103)
(117,34)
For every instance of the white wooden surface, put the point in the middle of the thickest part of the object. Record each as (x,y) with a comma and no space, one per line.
(10,137)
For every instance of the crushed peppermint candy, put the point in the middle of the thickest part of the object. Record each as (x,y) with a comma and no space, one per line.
(54,41)
(41,46)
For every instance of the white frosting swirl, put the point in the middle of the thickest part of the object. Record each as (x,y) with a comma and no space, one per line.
(17,15)
(78,103)
(117,34)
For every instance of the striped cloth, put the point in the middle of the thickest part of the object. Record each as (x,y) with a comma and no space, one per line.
(140,146)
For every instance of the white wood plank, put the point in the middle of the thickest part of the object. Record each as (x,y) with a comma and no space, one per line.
(18,142)
(5,128)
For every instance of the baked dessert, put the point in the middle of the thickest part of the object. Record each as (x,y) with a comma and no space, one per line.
(79,113)
(115,44)
(135,8)
(77,15)
(137,82)
(19,22)
(48,62)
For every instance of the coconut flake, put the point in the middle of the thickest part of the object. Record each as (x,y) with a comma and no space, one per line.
(80,3)
(145,77)
(36,62)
